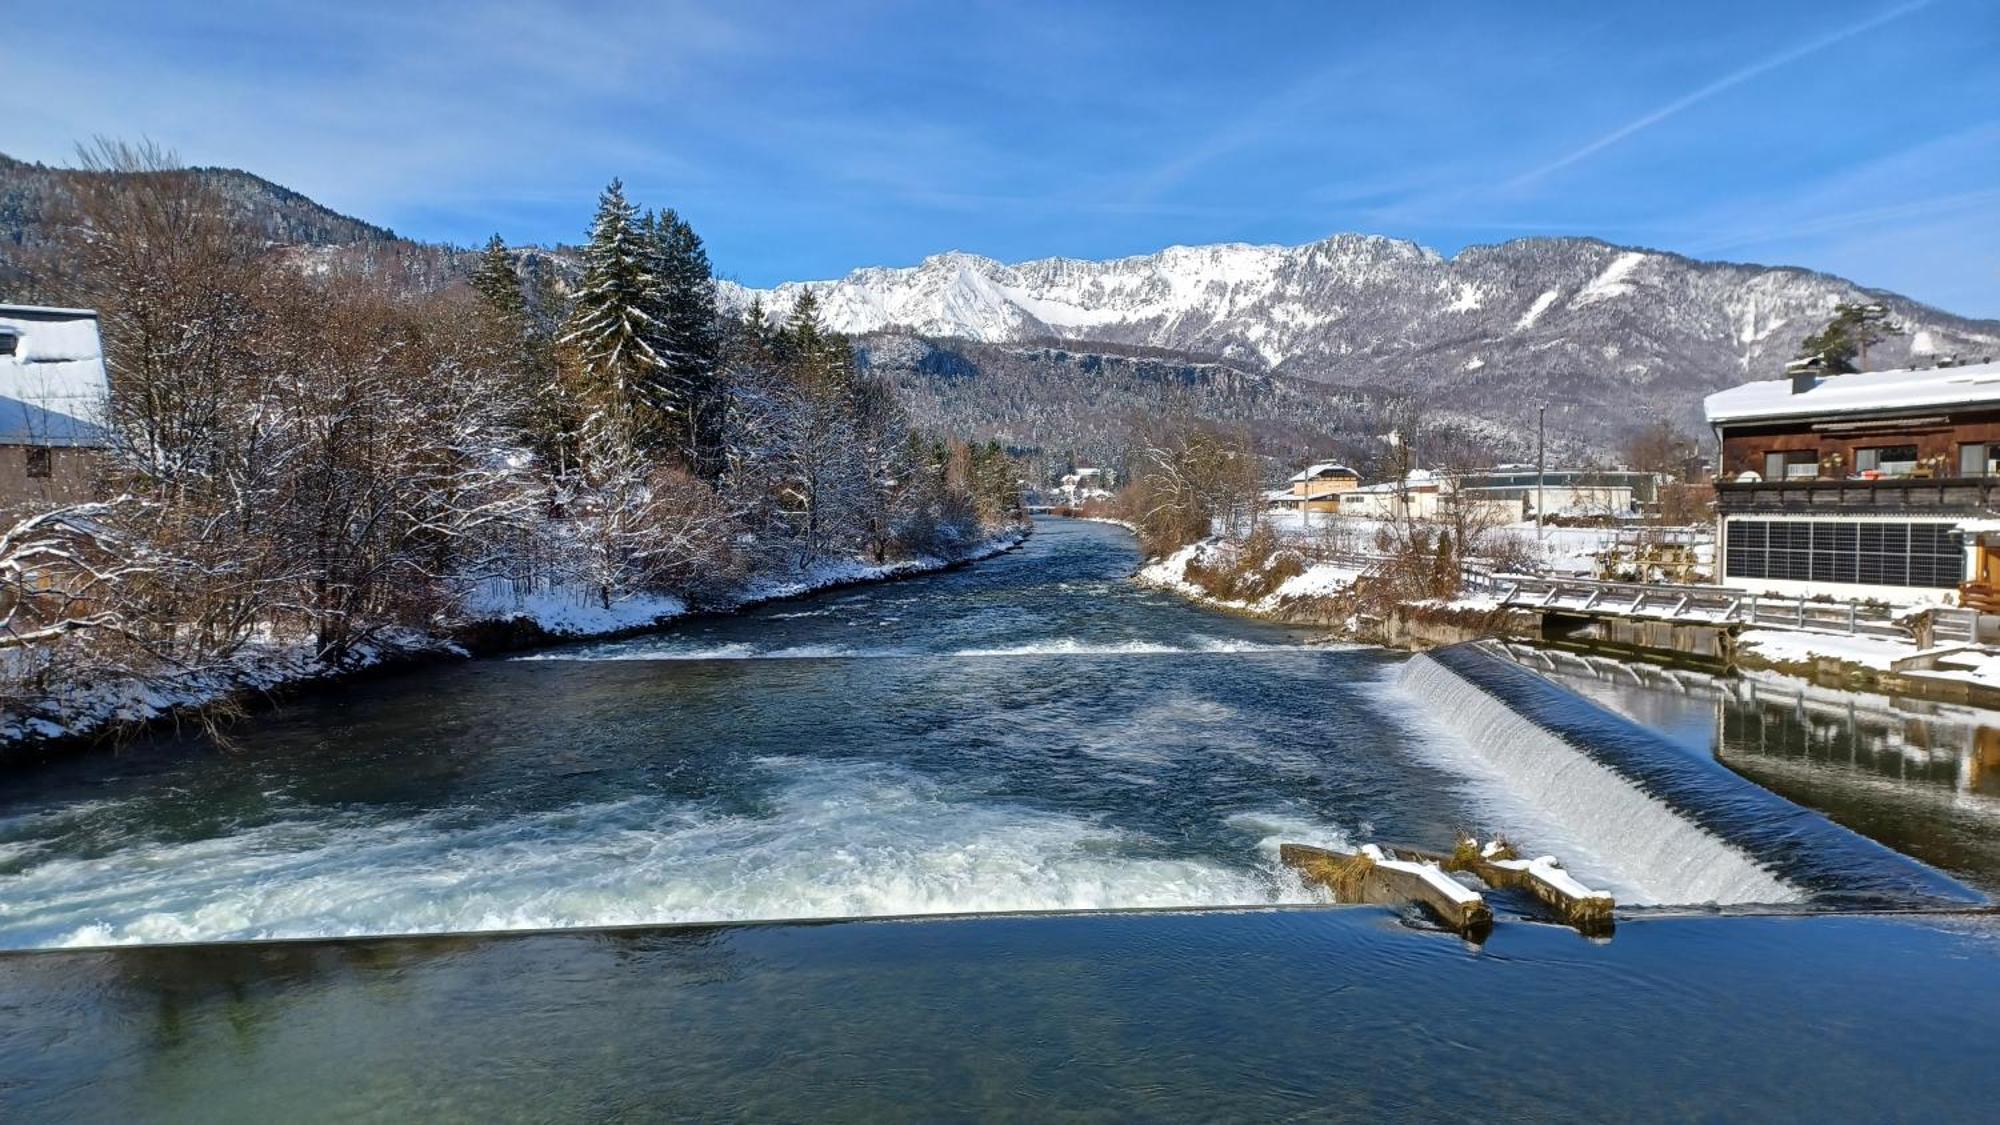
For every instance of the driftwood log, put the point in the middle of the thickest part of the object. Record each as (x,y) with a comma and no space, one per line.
(1498,866)
(1373,876)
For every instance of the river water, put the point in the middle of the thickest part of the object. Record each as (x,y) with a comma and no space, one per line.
(1035,732)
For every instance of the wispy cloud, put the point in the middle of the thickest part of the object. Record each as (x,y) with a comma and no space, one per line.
(1735,78)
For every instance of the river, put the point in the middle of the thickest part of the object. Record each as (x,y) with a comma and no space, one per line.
(1032,732)
(1035,732)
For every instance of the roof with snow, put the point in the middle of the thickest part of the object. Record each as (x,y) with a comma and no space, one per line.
(1867,392)
(52,382)
(1322,470)
(1419,480)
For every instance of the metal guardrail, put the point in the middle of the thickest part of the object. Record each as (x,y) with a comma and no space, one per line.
(1719,605)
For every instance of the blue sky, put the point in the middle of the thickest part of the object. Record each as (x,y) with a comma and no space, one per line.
(1862,138)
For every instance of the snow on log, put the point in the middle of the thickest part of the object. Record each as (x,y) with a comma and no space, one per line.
(1497,866)
(1373,876)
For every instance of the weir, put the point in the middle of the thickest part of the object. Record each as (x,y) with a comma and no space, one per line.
(1685,829)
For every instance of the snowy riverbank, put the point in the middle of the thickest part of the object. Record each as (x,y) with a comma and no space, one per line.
(1306,594)
(262,667)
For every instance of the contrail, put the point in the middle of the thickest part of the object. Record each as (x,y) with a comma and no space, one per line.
(1736,78)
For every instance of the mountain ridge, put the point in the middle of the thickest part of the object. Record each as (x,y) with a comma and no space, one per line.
(1609,337)
(1577,323)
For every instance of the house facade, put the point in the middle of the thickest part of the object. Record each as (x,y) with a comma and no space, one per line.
(1419,496)
(53,397)
(1569,493)
(1316,488)
(1882,484)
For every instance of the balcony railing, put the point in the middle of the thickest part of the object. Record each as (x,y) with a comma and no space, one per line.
(1884,496)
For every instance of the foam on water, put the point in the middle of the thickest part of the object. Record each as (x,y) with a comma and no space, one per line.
(835,839)
(1678,829)
(1058,646)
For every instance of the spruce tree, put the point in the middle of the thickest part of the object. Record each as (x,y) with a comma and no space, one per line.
(690,338)
(499,288)
(611,330)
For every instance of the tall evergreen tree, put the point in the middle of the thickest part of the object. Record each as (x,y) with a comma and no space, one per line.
(688,339)
(611,330)
(499,288)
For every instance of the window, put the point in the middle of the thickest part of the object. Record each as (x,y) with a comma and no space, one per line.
(1797,464)
(1868,552)
(10,342)
(41,461)
(1975,459)
(1889,461)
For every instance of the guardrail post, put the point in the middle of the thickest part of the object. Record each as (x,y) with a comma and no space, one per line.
(1802,611)
(1853,611)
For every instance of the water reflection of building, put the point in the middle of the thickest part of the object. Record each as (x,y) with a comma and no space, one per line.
(1921,777)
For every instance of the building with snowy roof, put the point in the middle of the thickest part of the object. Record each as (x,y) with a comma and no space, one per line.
(1878,484)
(53,396)
(1315,488)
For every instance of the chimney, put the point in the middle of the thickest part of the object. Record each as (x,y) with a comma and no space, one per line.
(1805,373)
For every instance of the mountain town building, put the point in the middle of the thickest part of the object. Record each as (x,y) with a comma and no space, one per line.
(1882,484)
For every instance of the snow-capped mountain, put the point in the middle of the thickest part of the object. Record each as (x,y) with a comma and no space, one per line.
(1578,324)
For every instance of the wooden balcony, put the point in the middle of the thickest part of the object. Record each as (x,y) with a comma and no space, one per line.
(1890,496)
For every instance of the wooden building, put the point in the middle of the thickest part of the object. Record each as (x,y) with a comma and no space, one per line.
(1880,484)
(52,407)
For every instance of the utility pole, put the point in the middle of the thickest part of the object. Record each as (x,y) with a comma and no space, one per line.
(1541,463)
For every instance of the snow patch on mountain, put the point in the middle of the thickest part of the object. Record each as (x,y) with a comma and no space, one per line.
(1368,311)
(1536,310)
(1613,282)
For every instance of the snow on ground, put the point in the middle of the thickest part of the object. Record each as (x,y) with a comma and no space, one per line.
(1797,647)
(262,665)
(571,611)
(1564,551)
(1536,310)
(1973,664)
(265,665)
(1320,579)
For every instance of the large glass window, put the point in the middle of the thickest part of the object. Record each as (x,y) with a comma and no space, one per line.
(1865,552)
(1975,459)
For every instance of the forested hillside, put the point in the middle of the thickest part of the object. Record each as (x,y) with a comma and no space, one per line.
(330,449)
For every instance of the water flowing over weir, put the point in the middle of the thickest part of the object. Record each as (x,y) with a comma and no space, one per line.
(1033,733)
(1684,829)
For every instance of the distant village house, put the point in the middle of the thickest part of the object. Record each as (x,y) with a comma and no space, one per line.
(1315,488)
(1080,486)
(53,395)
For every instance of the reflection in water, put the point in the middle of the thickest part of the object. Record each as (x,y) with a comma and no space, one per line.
(1152,1017)
(1922,777)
